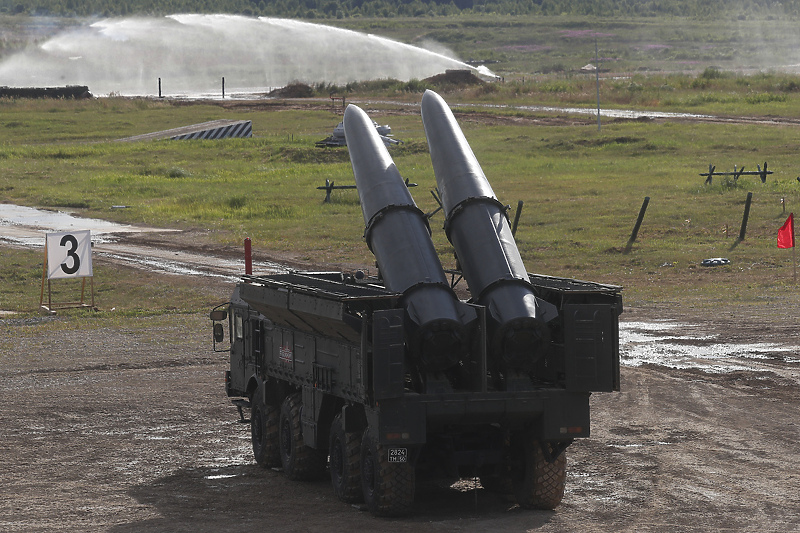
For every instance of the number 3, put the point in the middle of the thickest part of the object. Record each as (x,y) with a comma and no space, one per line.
(76,261)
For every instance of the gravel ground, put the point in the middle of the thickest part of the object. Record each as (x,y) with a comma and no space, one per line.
(129,429)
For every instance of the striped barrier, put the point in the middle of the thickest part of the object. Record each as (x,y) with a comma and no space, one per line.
(215,129)
(236,130)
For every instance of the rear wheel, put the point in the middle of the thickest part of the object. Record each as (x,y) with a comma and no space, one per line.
(345,462)
(264,421)
(300,462)
(388,487)
(538,484)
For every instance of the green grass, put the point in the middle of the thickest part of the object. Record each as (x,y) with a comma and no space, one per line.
(118,291)
(582,189)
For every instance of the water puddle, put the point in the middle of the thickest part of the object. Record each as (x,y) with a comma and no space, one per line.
(678,345)
(28,226)
(586,111)
(592,112)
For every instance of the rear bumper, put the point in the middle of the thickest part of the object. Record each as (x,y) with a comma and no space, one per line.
(552,415)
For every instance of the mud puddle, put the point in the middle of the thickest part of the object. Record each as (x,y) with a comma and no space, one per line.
(27,227)
(682,346)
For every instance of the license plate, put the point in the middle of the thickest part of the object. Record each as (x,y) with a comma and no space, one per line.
(398,455)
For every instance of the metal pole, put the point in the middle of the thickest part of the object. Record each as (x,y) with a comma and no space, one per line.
(746,215)
(44,274)
(638,225)
(597,74)
(516,219)
(223,86)
(159,88)
(248,257)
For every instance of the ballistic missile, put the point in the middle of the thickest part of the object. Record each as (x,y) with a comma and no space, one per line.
(398,234)
(477,226)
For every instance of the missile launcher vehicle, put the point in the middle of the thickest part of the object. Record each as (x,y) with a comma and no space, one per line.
(375,382)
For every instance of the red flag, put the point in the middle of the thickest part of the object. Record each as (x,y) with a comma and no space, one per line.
(786,233)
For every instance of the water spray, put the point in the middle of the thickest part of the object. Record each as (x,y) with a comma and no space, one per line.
(191,53)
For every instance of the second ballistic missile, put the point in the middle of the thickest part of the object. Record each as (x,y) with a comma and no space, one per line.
(477,226)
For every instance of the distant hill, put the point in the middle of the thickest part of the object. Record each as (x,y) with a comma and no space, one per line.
(332,9)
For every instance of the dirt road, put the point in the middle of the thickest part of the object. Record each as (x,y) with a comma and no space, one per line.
(129,429)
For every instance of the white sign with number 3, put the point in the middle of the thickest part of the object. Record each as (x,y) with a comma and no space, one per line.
(69,254)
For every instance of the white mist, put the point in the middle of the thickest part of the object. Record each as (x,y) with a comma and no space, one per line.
(192,53)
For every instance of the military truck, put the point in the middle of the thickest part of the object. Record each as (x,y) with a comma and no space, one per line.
(376,380)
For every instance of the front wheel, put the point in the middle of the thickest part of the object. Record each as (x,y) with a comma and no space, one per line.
(264,421)
(388,487)
(300,462)
(538,484)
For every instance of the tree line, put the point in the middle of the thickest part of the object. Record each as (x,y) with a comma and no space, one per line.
(337,9)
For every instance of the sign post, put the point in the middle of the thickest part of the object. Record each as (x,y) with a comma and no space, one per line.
(67,254)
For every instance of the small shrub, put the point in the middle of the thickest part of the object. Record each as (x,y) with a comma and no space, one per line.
(236,202)
(177,172)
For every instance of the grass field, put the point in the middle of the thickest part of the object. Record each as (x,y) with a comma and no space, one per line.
(581,188)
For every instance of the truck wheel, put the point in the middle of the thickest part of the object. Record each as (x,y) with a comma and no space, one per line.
(538,484)
(345,462)
(300,462)
(264,421)
(388,487)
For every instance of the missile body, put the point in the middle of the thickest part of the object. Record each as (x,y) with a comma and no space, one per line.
(477,226)
(398,234)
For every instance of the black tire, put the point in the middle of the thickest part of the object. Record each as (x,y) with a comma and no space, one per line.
(388,487)
(345,462)
(300,462)
(264,420)
(539,484)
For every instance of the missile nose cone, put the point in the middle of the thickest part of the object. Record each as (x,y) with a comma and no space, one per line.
(458,174)
(378,181)
(431,100)
(354,119)
(433,105)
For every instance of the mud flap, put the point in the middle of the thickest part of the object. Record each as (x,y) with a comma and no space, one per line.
(565,417)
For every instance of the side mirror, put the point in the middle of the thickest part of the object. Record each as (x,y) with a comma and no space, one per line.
(218,315)
(219,331)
